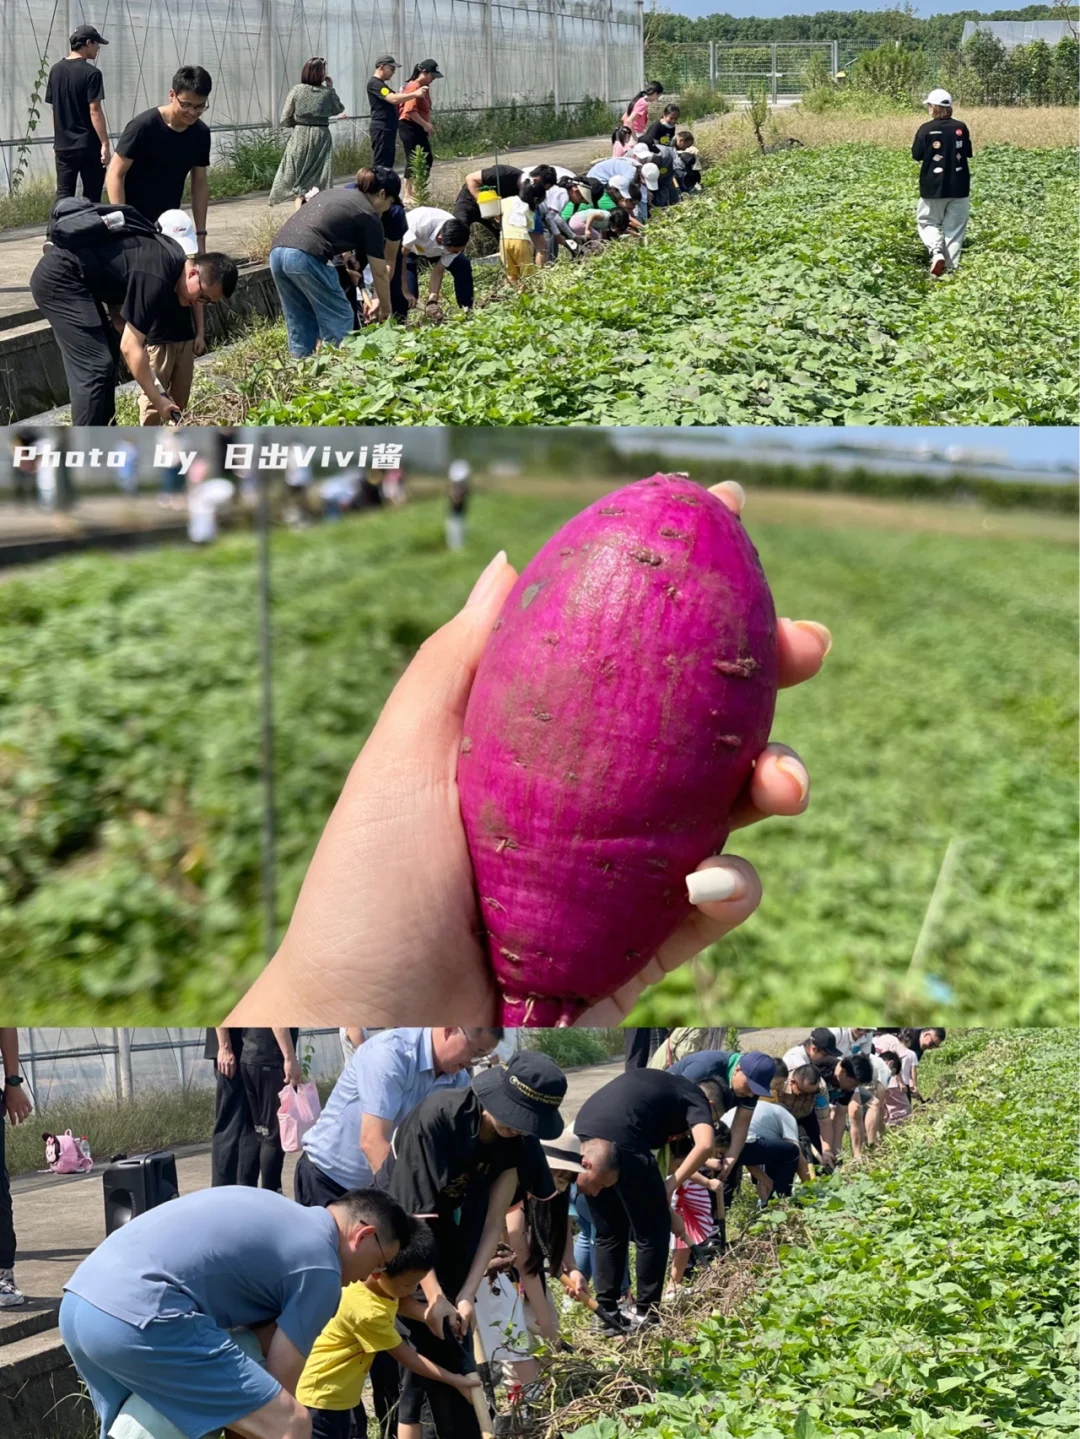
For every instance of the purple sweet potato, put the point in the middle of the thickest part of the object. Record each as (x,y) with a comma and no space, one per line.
(626,690)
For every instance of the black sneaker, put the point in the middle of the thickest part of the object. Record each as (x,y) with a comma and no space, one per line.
(609,1321)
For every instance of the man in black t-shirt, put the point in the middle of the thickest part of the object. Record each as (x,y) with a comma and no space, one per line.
(80,136)
(383,104)
(139,278)
(943,148)
(161,148)
(234,1148)
(459,1159)
(621,1127)
(267,1063)
(331,223)
(505,180)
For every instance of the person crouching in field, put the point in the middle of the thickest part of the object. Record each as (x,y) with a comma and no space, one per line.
(364,1325)
(687,163)
(164,1311)
(943,148)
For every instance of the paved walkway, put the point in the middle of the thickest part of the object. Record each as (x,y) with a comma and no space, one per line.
(230,222)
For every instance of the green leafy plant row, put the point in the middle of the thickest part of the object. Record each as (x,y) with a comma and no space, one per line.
(931,1293)
(794,291)
(130,794)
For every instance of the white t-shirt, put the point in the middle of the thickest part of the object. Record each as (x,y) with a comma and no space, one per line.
(796,1058)
(517,218)
(893,1043)
(846,1043)
(769,1121)
(425,222)
(882,1072)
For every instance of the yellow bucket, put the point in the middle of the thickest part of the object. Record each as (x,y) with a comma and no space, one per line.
(490,205)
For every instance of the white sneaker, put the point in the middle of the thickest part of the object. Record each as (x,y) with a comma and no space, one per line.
(10,1295)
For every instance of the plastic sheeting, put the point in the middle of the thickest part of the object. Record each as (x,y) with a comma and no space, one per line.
(491,54)
(1012,33)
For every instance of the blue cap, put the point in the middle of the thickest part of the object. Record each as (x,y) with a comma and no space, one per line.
(760,1071)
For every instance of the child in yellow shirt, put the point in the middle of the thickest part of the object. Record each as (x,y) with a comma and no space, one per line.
(334,1374)
(518,221)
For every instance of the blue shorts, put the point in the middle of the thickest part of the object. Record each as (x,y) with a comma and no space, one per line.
(189,1369)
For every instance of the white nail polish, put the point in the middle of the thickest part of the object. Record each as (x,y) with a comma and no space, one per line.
(718,882)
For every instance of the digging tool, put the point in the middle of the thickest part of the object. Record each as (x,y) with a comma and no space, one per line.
(592,1306)
(478,1396)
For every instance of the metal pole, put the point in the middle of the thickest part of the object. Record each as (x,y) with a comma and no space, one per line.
(489,50)
(271,39)
(712,64)
(607,53)
(125,1078)
(773,77)
(640,7)
(400,48)
(266,673)
(554,35)
(835,58)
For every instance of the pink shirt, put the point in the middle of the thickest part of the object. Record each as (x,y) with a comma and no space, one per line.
(618,150)
(639,116)
(907,1056)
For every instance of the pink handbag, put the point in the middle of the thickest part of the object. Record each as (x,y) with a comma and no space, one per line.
(298,1110)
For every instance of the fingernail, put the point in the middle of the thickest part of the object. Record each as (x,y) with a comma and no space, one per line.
(734,488)
(482,588)
(819,630)
(787,764)
(716,883)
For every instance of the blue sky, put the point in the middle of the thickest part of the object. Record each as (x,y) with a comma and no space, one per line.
(768,9)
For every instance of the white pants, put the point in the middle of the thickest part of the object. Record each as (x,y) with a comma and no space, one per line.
(942,225)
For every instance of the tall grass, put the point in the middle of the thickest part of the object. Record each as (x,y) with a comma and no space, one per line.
(569,1047)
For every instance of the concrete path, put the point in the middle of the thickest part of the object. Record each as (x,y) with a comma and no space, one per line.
(230,222)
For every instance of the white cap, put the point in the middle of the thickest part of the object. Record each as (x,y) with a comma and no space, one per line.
(622,184)
(651,175)
(181,228)
(938,97)
(641,152)
(460,471)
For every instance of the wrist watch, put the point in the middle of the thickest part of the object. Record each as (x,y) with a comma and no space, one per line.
(13,1080)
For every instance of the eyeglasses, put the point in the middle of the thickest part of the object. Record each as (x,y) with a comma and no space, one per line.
(382,1251)
(192,107)
(202,297)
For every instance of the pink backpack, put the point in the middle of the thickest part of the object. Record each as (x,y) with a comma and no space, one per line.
(64,1154)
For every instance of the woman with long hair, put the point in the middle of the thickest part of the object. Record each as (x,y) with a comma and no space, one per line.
(414,125)
(637,112)
(308,161)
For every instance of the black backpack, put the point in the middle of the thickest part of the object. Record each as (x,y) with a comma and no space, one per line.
(78,224)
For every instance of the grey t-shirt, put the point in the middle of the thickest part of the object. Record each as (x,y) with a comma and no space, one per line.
(332,222)
(242,1256)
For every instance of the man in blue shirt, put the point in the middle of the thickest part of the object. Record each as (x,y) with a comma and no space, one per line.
(384,1080)
(148,1313)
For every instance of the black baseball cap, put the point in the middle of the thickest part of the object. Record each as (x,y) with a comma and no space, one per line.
(433,66)
(525,1095)
(86,35)
(385,60)
(826,1040)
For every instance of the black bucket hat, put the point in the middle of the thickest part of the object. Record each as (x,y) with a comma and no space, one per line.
(525,1094)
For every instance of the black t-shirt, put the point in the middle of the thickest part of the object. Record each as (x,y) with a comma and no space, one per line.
(944,148)
(509,180)
(260,1047)
(384,112)
(162,159)
(437,1165)
(642,1110)
(236,1039)
(659,133)
(139,273)
(333,222)
(71,87)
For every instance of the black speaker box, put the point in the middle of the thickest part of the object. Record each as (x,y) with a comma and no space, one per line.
(138,1182)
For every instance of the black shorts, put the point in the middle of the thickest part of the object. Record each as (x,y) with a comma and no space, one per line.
(414,137)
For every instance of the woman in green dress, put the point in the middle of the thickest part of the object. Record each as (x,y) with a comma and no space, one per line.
(307,163)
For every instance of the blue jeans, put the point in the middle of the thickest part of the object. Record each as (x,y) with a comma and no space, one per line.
(312,300)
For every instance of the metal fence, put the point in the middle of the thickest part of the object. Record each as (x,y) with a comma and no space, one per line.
(493,53)
(741,70)
(121,1064)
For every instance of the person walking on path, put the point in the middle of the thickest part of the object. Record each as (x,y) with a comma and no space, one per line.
(383,105)
(942,147)
(415,122)
(162,148)
(16,1108)
(637,112)
(234,1145)
(308,161)
(75,90)
(641,1044)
